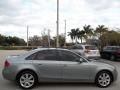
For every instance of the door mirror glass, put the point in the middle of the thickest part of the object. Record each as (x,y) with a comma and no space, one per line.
(80,60)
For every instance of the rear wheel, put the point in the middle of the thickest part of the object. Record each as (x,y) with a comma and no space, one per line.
(103,79)
(27,79)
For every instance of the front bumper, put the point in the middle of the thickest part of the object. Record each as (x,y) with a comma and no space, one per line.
(115,75)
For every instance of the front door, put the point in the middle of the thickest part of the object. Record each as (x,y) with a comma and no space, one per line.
(74,70)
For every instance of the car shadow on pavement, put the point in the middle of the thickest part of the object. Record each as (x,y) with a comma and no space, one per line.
(65,85)
(55,86)
(70,86)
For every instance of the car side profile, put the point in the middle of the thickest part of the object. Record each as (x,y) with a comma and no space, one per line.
(56,65)
(111,52)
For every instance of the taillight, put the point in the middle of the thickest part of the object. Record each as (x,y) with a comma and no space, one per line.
(87,50)
(7,64)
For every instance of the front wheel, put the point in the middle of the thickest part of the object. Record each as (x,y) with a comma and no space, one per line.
(103,79)
(27,80)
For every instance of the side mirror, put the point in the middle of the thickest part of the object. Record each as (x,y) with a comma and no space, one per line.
(81,60)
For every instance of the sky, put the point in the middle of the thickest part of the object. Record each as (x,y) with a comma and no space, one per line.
(40,15)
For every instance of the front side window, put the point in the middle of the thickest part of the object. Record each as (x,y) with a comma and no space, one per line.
(68,56)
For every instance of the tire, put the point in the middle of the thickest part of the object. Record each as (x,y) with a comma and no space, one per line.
(103,79)
(112,57)
(27,79)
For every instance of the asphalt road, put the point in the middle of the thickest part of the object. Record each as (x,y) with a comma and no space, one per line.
(7,85)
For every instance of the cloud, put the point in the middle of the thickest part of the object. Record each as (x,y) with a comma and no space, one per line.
(40,14)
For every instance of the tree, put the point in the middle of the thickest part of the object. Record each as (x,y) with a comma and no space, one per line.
(2,40)
(35,41)
(44,40)
(88,31)
(61,40)
(71,36)
(74,34)
(81,35)
(100,30)
(110,38)
(11,41)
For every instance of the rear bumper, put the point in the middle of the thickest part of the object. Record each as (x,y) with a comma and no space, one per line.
(8,75)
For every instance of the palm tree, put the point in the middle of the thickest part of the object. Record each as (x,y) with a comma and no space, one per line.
(73,34)
(100,30)
(76,34)
(81,35)
(88,30)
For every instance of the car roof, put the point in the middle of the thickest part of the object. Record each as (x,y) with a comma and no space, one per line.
(39,49)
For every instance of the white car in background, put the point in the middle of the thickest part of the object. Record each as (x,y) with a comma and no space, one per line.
(88,51)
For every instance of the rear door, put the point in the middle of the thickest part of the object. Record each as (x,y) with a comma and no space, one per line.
(48,65)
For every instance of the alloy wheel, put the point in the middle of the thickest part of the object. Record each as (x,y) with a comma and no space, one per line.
(27,80)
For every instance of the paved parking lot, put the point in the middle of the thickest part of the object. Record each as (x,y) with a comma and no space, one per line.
(7,85)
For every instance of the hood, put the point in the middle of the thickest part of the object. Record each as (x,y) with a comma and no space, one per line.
(103,63)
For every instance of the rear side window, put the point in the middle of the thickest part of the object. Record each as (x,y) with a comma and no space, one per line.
(91,47)
(31,57)
(46,55)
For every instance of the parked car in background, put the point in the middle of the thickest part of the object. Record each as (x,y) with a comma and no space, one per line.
(56,65)
(88,51)
(111,52)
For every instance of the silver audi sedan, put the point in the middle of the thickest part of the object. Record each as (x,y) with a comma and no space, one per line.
(56,65)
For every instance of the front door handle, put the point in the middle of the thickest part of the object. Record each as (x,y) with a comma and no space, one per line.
(39,64)
(65,65)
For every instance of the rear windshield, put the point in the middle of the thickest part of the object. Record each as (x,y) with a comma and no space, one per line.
(91,47)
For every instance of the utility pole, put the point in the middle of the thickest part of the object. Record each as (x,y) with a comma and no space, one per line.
(57,43)
(65,35)
(48,37)
(27,35)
